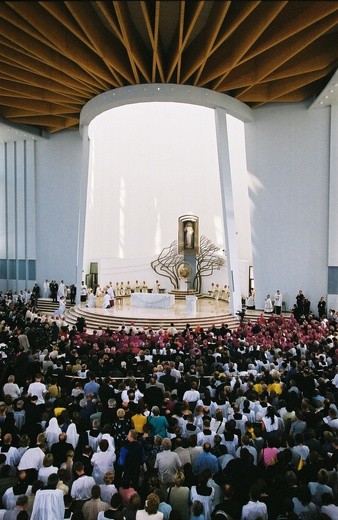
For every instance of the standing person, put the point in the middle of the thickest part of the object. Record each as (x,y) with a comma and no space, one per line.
(46,288)
(254,508)
(21,505)
(321,307)
(38,389)
(150,511)
(91,299)
(204,493)
(111,293)
(268,307)
(61,290)
(158,423)
(134,459)
(300,302)
(179,495)
(48,502)
(278,300)
(157,287)
(53,287)
(35,294)
(167,463)
(83,292)
(72,293)
(106,301)
(102,461)
(95,505)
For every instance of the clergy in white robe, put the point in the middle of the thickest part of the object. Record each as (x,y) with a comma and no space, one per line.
(72,435)
(91,299)
(32,458)
(106,301)
(46,289)
(102,461)
(61,290)
(62,307)
(52,432)
(48,505)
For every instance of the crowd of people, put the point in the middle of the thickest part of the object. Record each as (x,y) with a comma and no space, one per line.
(168,424)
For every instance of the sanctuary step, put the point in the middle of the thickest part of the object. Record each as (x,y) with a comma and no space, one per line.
(180,295)
(47,306)
(254,314)
(95,320)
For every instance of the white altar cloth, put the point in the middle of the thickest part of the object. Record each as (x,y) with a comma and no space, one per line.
(153,300)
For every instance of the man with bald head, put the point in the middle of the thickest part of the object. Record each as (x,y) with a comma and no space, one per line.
(59,449)
(205,460)
(11,453)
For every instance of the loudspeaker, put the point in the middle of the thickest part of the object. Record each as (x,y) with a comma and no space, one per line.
(94,267)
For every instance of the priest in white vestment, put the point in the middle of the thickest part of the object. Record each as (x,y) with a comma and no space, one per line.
(48,505)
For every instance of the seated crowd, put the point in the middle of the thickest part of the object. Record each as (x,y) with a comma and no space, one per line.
(139,424)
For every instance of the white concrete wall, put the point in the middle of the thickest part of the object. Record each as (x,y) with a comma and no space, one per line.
(149,164)
(288,164)
(58,169)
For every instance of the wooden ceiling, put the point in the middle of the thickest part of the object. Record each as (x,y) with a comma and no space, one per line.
(55,56)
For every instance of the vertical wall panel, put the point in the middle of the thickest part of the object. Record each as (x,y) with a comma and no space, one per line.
(20,200)
(30,199)
(3,232)
(10,195)
(17,215)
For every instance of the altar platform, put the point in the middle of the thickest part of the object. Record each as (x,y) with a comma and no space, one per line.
(208,312)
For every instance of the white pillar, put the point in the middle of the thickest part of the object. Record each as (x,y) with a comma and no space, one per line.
(228,209)
(82,210)
(332,298)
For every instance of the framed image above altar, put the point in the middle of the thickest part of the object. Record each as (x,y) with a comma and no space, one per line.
(188,234)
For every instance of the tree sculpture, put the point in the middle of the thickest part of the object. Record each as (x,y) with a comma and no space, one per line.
(207,261)
(168,262)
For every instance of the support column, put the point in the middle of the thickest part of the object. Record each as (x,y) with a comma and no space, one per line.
(82,211)
(332,297)
(228,209)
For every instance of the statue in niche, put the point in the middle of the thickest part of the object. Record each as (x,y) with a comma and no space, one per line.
(189,235)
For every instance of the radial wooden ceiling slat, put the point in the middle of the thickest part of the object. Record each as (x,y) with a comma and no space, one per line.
(316,56)
(275,89)
(27,63)
(152,27)
(13,89)
(178,44)
(33,107)
(58,38)
(269,61)
(46,120)
(36,50)
(108,48)
(252,28)
(310,13)
(60,12)
(136,56)
(157,50)
(216,20)
(64,53)
(196,55)
(175,56)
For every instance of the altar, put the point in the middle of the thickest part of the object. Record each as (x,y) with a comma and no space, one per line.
(153,300)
